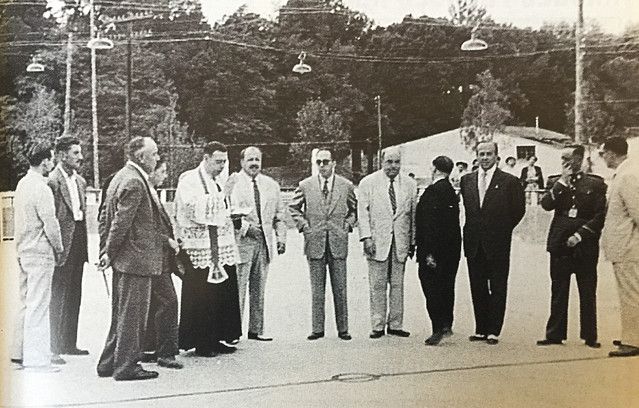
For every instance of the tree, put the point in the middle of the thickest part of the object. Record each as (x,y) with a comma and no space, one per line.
(487,110)
(467,12)
(318,126)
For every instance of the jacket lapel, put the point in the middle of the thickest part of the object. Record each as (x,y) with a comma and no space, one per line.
(474,188)
(62,182)
(334,195)
(495,184)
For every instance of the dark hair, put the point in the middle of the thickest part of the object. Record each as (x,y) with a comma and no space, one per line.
(617,145)
(64,143)
(243,152)
(510,158)
(462,163)
(492,143)
(443,164)
(135,145)
(578,150)
(214,146)
(38,153)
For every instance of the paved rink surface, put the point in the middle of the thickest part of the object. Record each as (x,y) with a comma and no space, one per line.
(294,372)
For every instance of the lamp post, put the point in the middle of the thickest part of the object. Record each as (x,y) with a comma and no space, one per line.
(579,72)
(378,99)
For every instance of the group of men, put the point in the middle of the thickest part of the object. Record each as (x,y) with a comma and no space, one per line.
(226,233)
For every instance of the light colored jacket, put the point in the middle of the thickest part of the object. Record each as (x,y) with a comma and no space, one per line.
(272,212)
(320,218)
(620,236)
(37,229)
(64,209)
(375,214)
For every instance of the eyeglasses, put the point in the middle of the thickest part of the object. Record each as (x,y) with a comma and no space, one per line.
(324,162)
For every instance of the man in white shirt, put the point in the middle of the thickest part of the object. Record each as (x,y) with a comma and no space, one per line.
(69,192)
(39,247)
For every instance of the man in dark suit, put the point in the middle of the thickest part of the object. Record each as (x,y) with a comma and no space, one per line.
(438,242)
(133,247)
(324,209)
(494,203)
(579,202)
(69,193)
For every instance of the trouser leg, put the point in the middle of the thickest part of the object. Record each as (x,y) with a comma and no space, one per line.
(378,280)
(18,331)
(432,294)
(587,285)
(105,363)
(479,292)
(337,271)
(165,318)
(257,287)
(396,293)
(557,326)
(498,285)
(627,276)
(317,270)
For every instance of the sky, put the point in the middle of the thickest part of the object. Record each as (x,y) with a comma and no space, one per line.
(612,15)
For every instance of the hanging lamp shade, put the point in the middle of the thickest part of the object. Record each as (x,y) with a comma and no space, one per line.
(35,66)
(100,44)
(474,44)
(301,67)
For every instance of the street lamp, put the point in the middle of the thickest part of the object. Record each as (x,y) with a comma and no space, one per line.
(35,66)
(474,43)
(99,43)
(301,67)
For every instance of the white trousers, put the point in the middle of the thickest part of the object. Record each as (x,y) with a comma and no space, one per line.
(627,274)
(32,338)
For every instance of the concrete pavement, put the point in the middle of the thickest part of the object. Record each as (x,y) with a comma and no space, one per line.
(391,371)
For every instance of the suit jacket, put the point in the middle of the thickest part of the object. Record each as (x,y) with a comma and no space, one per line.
(375,215)
(64,209)
(321,219)
(588,196)
(620,236)
(437,220)
(538,176)
(129,225)
(491,226)
(272,212)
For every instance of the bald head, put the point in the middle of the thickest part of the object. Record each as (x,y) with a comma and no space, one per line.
(251,160)
(391,161)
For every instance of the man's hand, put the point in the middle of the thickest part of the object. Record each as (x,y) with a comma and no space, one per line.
(104,263)
(430,261)
(281,248)
(573,240)
(58,259)
(566,172)
(253,232)
(369,247)
(411,251)
(174,245)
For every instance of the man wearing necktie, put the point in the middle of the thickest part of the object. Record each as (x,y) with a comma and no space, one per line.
(69,193)
(324,209)
(261,194)
(386,215)
(494,203)
(579,203)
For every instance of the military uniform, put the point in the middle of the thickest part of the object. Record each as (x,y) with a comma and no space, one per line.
(580,209)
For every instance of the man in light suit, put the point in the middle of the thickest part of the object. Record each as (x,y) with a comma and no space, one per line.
(133,247)
(620,240)
(261,194)
(69,192)
(39,248)
(324,209)
(494,202)
(386,215)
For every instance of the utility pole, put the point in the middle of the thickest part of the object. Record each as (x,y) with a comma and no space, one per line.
(94,102)
(579,72)
(67,90)
(128,79)
(378,99)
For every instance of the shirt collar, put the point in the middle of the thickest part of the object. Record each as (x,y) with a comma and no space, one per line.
(329,179)
(437,178)
(489,172)
(248,177)
(140,169)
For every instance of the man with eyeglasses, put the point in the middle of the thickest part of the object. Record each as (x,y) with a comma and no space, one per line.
(386,213)
(324,209)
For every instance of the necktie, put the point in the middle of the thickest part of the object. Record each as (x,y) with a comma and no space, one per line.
(325,189)
(391,194)
(258,206)
(482,187)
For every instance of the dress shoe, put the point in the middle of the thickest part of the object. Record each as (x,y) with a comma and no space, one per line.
(57,360)
(548,342)
(232,342)
(492,340)
(447,332)
(258,337)
(223,349)
(169,362)
(344,336)
(205,353)
(137,374)
(593,344)
(16,361)
(315,336)
(376,334)
(625,351)
(76,352)
(398,332)
(149,358)
(104,373)
(477,337)
(617,343)
(434,339)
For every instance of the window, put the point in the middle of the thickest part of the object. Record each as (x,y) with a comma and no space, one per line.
(524,152)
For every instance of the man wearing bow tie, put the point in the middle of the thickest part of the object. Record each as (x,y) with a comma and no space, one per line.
(494,203)
(324,209)
(579,202)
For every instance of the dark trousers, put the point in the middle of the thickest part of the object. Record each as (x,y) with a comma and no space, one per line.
(438,285)
(161,333)
(585,270)
(488,287)
(129,313)
(66,292)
